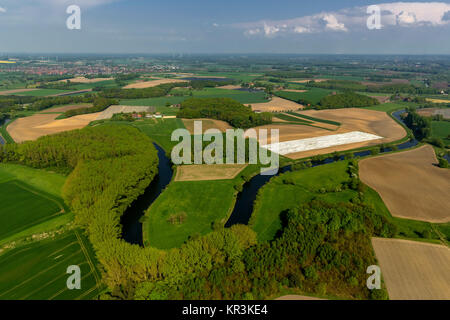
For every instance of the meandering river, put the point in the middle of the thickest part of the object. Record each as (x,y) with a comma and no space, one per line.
(243,209)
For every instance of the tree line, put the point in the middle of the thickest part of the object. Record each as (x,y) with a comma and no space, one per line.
(226,109)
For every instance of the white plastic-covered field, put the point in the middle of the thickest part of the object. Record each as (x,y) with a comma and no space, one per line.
(108,113)
(322,142)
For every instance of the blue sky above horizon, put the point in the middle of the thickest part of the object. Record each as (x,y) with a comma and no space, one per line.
(208,26)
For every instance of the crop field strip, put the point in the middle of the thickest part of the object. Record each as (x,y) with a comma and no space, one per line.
(14,195)
(43,285)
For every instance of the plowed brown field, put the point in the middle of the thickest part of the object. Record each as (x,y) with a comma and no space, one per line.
(414,270)
(410,184)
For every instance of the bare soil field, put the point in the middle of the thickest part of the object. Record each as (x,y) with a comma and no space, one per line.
(10,92)
(112,110)
(153,83)
(410,184)
(38,125)
(208,172)
(86,80)
(351,119)
(67,108)
(414,270)
(428,112)
(297,297)
(277,104)
(206,124)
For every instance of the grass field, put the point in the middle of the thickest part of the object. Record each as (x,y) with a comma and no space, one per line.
(441,129)
(387,107)
(30,201)
(23,206)
(200,202)
(276,196)
(244,97)
(5,133)
(160,130)
(313,95)
(37,271)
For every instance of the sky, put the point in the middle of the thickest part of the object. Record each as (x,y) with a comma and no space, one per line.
(212,26)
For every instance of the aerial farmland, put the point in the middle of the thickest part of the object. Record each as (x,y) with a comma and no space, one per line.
(268,180)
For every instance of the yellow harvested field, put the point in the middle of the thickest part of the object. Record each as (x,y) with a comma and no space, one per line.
(351,119)
(153,83)
(414,270)
(206,125)
(438,100)
(11,92)
(297,297)
(276,105)
(38,125)
(208,172)
(86,80)
(409,183)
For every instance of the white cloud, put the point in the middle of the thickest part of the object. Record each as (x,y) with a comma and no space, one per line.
(216,25)
(333,24)
(270,30)
(395,14)
(2,10)
(252,32)
(300,29)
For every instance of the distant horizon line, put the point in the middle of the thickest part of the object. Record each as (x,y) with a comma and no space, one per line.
(2,54)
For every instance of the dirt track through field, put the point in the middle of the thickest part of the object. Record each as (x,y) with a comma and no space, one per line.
(414,270)
(410,184)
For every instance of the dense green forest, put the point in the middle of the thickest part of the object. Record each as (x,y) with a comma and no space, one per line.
(226,109)
(420,126)
(152,92)
(347,99)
